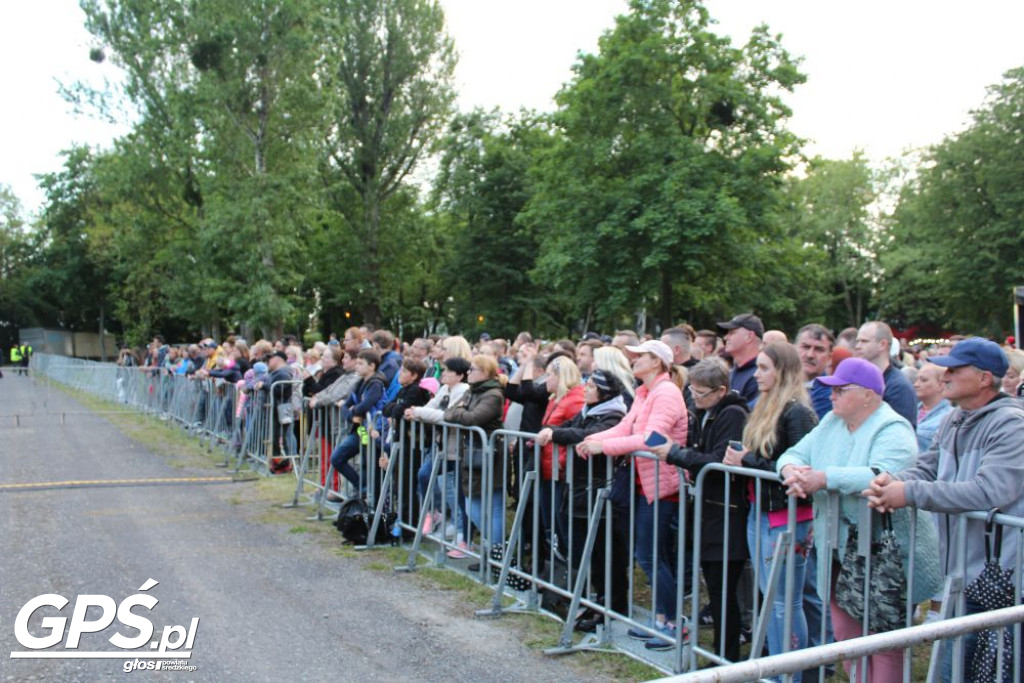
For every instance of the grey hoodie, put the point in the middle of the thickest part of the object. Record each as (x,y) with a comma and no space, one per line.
(976,462)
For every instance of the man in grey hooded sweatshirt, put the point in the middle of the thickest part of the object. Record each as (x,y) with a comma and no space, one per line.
(975,462)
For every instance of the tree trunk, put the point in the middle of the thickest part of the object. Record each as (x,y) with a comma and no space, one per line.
(371,244)
(666,300)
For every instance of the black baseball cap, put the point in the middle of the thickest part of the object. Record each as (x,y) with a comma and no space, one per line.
(747,321)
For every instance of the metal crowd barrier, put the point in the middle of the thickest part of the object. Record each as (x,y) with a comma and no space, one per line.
(559,543)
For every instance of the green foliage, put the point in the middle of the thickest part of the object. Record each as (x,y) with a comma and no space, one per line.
(482,188)
(957,246)
(19,303)
(386,89)
(666,170)
(832,212)
(266,185)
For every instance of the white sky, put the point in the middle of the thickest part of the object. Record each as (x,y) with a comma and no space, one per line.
(883,76)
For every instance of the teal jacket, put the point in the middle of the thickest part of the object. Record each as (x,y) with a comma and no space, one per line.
(884,441)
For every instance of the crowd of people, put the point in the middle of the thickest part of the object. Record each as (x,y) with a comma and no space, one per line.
(920,432)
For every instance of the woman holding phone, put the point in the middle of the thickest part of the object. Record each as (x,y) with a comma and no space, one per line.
(658,407)
(781,417)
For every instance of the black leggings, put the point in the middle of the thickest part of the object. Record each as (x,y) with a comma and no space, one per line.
(715,574)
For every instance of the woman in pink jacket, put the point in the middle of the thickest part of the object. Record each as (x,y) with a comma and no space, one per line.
(658,407)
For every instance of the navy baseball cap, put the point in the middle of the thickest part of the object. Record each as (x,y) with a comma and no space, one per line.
(981,353)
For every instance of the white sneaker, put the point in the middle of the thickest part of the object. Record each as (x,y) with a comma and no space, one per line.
(449,530)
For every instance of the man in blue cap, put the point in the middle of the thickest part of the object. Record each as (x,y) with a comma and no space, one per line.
(975,462)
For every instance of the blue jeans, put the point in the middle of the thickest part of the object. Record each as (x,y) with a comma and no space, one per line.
(447,485)
(346,450)
(759,528)
(814,610)
(662,576)
(475,506)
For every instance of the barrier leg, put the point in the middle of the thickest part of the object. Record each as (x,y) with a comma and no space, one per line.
(321,497)
(565,645)
(506,564)
(385,490)
(314,430)
(954,586)
(761,628)
(424,511)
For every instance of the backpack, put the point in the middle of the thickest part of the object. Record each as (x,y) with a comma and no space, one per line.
(355,518)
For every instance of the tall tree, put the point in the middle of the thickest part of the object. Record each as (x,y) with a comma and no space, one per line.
(957,247)
(833,211)
(481,189)
(387,80)
(74,281)
(671,155)
(19,304)
(255,62)
(221,93)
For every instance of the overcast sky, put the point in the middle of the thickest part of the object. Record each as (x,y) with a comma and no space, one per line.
(882,76)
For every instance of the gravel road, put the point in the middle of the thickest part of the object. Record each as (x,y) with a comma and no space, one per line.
(272,604)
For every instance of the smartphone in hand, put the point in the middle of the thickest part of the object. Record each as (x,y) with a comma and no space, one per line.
(655,439)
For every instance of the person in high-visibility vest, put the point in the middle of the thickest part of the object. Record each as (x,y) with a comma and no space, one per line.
(26,354)
(16,357)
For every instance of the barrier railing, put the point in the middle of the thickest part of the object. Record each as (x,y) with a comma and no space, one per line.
(562,538)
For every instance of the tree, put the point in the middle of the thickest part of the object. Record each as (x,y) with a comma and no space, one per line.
(667,170)
(386,80)
(18,301)
(833,212)
(957,245)
(481,189)
(255,64)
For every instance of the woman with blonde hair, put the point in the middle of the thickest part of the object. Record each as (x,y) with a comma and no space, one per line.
(611,361)
(456,347)
(564,384)
(1012,379)
(780,418)
(482,406)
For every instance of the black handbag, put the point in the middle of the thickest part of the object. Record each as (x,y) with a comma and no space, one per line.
(992,589)
(475,456)
(622,483)
(887,585)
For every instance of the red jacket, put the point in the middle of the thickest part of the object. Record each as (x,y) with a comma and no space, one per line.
(557,414)
(658,409)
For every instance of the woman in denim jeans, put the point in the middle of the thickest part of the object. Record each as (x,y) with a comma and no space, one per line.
(781,417)
(658,407)
(453,386)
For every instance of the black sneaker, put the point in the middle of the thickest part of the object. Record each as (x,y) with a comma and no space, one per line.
(705,617)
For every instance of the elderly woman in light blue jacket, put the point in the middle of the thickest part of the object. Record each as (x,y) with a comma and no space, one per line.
(860,434)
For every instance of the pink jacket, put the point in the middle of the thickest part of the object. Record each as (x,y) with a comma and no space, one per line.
(658,409)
